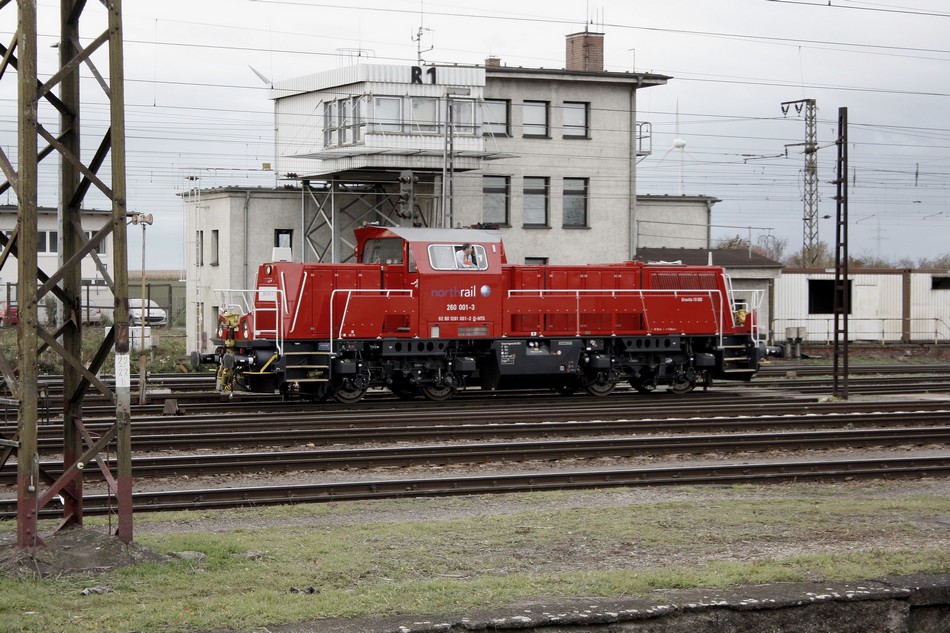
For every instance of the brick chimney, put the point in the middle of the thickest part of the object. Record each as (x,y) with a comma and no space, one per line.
(585,52)
(492,62)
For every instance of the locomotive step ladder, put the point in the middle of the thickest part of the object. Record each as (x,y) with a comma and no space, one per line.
(736,359)
(306,366)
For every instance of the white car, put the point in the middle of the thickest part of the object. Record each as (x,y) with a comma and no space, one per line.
(154,315)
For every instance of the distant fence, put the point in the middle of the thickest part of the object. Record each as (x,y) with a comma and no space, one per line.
(883,330)
(169,296)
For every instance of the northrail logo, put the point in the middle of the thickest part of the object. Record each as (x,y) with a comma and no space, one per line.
(469,292)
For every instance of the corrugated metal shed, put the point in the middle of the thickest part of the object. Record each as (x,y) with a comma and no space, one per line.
(888,306)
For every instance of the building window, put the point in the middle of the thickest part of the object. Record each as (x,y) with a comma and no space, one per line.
(214,247)
(100,247)
(329,123)
(346,122)
(536,261)
(535,211)
(387,114)
(535,118)
(462,115)
(342,122)
(575,202)
(47,242)
(425,115)
(821,296)
(356,119)
(495,199)
(283,238)
(200,248)
(495,117)
(575,123)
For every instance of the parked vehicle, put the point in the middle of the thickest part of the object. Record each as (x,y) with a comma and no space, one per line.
(9,313)
(154,315)
(91,314)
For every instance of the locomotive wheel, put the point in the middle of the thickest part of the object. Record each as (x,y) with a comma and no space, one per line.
(601,389)
(439,393)
(685,386)
(348,396)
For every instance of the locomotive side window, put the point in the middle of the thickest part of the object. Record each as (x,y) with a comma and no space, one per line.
(455,257)
(387,250)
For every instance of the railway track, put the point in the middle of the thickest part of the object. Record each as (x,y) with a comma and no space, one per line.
(508,419)
(203,433)
(214,403)
(720,474)
(204,464)
(195,392)
(745,418)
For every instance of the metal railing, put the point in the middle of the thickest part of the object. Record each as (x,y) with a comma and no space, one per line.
(248,300)
(719,317)
(880,329)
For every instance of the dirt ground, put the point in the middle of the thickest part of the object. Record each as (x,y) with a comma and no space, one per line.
(71,551)
(81,550)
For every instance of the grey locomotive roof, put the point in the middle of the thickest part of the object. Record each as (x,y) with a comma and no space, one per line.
(727,257)
(412,234)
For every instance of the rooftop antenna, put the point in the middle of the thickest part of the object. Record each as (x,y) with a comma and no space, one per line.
(418,36)
(353,55)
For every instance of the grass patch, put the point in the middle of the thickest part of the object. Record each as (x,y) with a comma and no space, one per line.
(166,356)
(371,558)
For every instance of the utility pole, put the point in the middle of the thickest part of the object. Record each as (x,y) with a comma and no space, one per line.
(35,487)
(842,298)
(145,310)
(810,178)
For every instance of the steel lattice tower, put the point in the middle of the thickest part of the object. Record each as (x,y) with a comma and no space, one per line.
(35,488)
(809,180)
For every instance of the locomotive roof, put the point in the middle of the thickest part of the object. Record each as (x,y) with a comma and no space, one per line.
(413,234)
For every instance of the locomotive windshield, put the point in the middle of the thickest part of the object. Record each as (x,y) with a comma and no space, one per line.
(383,250)
(458,257)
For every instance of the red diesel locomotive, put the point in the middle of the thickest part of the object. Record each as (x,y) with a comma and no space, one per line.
(421,316)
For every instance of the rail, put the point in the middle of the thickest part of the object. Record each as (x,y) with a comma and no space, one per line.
(249,303)
(349,292)
(881,329)
(718,316)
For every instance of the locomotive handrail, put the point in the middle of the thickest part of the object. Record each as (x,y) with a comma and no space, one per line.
(384,292)
(719,319)
(751,306)
(251,307)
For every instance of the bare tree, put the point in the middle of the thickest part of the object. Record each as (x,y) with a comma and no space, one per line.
(772,247)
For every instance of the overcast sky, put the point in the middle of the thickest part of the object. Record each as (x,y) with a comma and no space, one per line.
(196,109)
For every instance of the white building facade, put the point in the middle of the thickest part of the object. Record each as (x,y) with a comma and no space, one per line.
(95,291)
